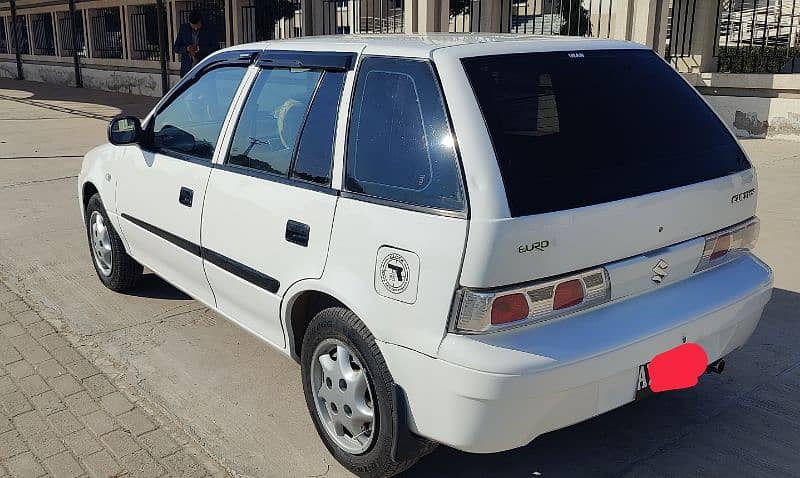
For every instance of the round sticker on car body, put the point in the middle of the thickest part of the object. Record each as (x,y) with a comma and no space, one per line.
(396,274)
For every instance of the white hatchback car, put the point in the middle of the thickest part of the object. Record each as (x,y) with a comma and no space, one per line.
(467,240)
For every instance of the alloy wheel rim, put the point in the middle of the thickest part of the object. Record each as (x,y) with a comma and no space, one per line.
(343,396)
(101,243)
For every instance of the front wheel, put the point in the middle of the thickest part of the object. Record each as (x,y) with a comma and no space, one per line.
(348,391)
(116,269)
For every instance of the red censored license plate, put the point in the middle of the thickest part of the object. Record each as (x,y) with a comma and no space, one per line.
(674,369)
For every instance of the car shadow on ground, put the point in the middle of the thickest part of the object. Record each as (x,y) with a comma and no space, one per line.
(152,286)
(745,419)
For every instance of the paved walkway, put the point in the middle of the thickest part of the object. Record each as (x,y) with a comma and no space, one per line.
(61,417)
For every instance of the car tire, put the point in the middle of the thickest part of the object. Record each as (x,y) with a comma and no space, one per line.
(335,327)
(116,269)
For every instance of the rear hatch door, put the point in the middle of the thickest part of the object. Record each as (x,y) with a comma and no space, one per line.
(604,154)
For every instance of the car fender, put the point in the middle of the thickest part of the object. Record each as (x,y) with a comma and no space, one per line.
(99,168)
(313,285)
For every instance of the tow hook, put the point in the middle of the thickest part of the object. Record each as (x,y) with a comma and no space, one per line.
(716,367)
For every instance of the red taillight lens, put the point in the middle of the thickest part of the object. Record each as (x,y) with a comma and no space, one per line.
(509,308)
(721,246)
(568,294)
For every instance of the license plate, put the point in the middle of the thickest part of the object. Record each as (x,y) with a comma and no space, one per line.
(675,369)
(643,389)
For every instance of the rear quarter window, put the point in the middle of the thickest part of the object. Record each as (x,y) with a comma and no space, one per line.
(573,129)
(400,147)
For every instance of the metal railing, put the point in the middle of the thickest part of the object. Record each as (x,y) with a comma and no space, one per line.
(21,28)
(43,35)
(3,36)
(590,18)
(362,16)
(106,32)
(65,34)
(144,33)
(758,36)
(680,29)
(261,23)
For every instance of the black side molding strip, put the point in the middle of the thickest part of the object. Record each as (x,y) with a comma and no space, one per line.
(242,271)
(238,269)
(168,236)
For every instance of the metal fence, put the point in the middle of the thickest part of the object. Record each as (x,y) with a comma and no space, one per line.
(43,38)
(106,31)
(362,16)
(3,35)
(144,33)
(21,29)
(261,22)
(758,36)
(680,29)
(213,13)
(66,37)
(590,18)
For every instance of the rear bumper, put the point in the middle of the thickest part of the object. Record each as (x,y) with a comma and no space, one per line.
(500,391)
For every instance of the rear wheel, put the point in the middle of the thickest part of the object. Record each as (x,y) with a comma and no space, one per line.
(116,269)
(348,390)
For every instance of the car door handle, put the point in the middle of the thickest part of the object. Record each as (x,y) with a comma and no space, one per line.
(297,233)
(186,196)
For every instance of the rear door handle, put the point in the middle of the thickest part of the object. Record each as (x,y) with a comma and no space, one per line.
(185,197)
(297,233)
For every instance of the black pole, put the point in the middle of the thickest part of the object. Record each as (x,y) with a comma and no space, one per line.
(162,45)
(15,39)
(75,59)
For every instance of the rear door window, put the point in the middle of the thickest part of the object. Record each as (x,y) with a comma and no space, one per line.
(573,129)
(272,118)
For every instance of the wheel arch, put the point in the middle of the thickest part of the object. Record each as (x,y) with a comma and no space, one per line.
(302,302)
(88,189)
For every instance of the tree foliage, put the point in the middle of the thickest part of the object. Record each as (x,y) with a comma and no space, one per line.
(457,7)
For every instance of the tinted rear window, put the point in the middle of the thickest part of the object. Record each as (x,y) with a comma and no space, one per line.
(572,129)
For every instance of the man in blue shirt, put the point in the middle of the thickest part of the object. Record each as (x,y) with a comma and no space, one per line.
(194,42)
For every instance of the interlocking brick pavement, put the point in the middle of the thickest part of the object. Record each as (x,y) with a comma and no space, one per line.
(61,417)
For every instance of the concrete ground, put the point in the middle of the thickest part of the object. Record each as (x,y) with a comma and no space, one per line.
(243,402)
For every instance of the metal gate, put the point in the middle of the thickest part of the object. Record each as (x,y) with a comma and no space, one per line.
(362,16)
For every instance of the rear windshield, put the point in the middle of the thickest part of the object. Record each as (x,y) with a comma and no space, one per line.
(572,129)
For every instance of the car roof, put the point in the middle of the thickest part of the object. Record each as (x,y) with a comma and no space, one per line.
(423,45)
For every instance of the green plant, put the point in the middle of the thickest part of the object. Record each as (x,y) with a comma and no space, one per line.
(756,59)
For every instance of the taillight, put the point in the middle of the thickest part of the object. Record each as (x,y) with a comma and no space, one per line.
(488,311)
(568,294)
(728,244)
(509,308)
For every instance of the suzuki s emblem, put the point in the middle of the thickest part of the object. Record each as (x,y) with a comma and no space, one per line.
(660,271)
